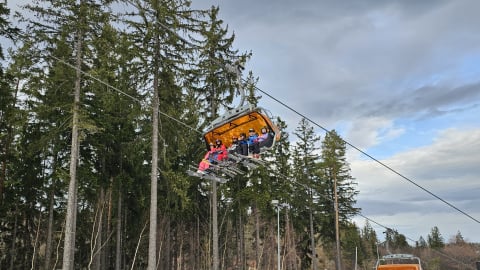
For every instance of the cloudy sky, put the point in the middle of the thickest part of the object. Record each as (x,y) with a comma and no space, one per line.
(398,79)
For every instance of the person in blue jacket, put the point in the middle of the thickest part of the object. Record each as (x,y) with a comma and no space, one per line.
(252,137)
(265,139)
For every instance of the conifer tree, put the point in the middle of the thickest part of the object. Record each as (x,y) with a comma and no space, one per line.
(164,59)
(216,82)
(334,167)
(421,243)
(369,243)
(74,24)
(352,244)
(458,239)
(435,239)
(7,98)
(216,85)
(305,172)
(339,193)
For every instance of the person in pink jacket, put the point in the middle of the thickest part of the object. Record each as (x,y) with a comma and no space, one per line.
(217,153)
(205,162)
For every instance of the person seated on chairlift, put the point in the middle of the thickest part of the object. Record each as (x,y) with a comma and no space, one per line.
(252,137)
(207,159)
(242,147)
(234,147)
(265,139)
(218,152)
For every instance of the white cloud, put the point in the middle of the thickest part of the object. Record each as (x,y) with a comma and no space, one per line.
(367,132)
(448,168)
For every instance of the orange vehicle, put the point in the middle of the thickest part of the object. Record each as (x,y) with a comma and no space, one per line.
(399,262)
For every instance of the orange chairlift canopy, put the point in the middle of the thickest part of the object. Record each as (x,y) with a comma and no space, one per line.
(237,121)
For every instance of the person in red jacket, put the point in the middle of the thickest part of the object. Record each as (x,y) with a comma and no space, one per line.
(221,152)
(206,161)
(217,153)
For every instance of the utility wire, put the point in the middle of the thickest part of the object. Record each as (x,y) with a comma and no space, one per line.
(371,157)
(123,93)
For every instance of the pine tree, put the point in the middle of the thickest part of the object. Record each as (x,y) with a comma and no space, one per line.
(458,239)
(335,168)
(305,173)
(352,245)
(435,239)
(216,83)
(369,243)
(339,191)
(421,243)
(7,99)
(68,28)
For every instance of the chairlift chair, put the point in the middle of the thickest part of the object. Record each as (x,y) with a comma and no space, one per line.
(240,120)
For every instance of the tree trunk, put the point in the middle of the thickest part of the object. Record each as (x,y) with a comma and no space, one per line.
(105,259)
(152,237)
(69,245)
(13,250)
(97,237)
(48,248)
(257,237)
(337,233)
(241,260)
(118,242)
(312,236)
(290,253)
(216,259)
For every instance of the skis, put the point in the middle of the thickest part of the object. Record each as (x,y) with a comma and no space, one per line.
(206,175)
(222,171)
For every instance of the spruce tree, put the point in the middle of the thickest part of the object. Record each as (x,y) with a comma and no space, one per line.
(307,192)
(165,60)
(421,243)
(369,243)
(7,98)
(435,239)
(334,167)
(73,23)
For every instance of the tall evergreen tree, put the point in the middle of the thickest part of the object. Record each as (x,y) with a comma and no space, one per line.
(352,245)
(217,84)
(7,98)
(166,61)
(339,191)
(435,239)
(73,23)
(335,168)
(305,173)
